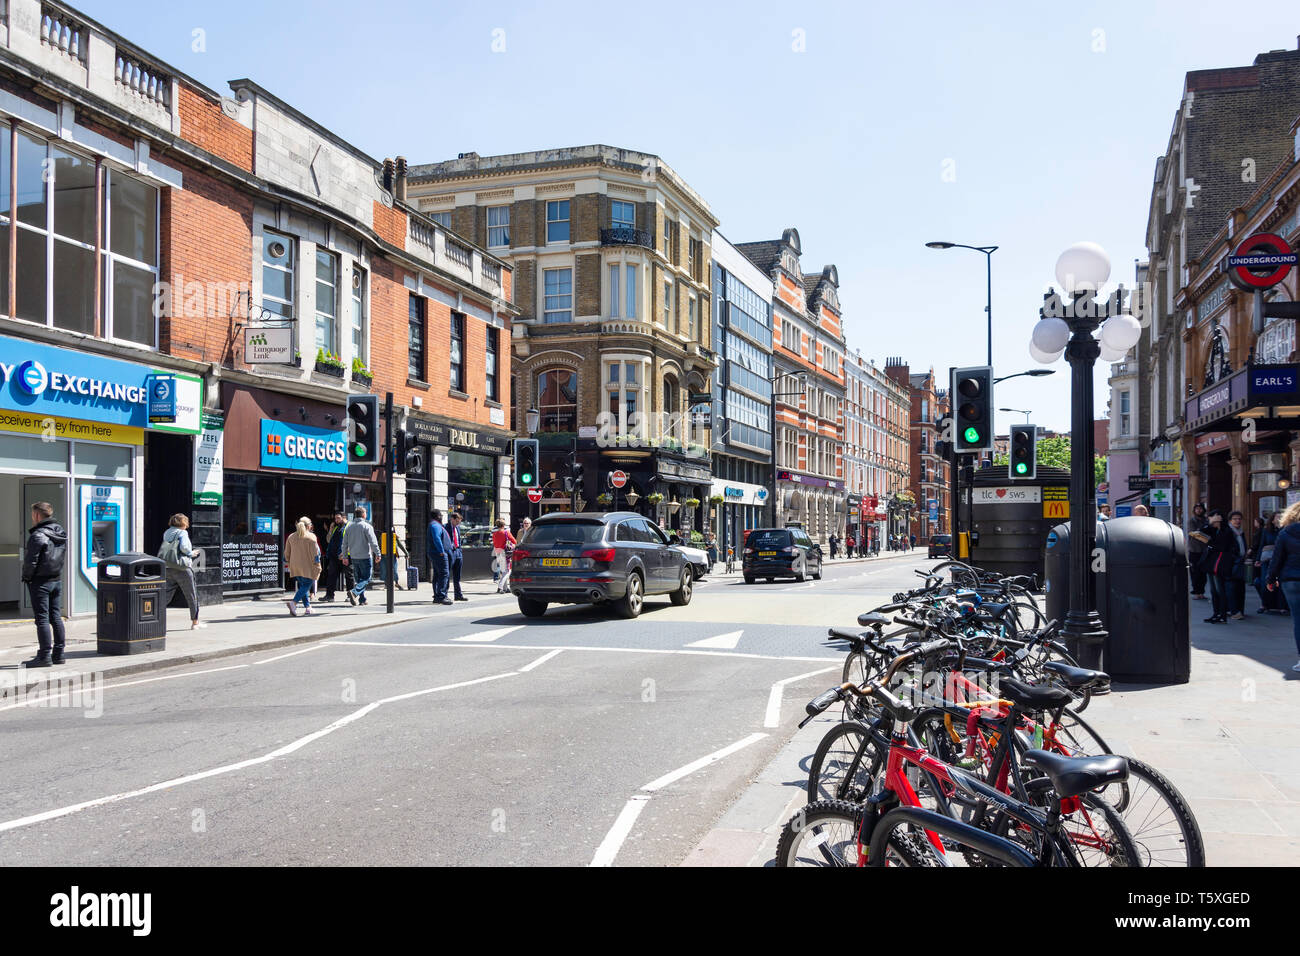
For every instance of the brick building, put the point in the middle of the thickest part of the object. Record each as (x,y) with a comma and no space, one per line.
(929,472)
(877,455)
(1231,132)
(163,231)
(612,346)
(808,352)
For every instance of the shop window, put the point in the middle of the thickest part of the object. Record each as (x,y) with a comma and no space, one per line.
(102,461)
(472,490)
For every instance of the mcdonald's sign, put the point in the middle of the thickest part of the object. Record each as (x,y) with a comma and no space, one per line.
(1056,503)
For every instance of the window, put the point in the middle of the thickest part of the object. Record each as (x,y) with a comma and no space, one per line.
(1124,413)
(58,224)
(790,337)
(789,448)
(557,400)
(358,315)
(694,258)
(442,218)
(624,382)
(472,490)
(631,293)
(558,289)
(493,363)
(277,273)
(668,305)
(416,321)
(458,351)
(498,223)
(690,322)
(622,215)
(327,285)
(614,271)
(557,221)
(669,409)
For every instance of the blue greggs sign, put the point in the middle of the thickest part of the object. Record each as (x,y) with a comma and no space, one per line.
(46,380)
(303,448)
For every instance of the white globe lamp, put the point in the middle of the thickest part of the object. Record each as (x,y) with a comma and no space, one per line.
(1051,335)
(1120,333)
(1084,264)
(1042,357)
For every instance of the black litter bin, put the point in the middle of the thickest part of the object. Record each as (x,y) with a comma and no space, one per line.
(132,619)
(1141,597)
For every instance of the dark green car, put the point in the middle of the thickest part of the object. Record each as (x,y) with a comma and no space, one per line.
(773,553)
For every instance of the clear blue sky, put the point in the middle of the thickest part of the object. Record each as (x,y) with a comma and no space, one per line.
(1053,142)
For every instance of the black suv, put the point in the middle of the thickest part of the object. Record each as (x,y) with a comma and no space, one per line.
(940,546)
(616,558)
(781,553)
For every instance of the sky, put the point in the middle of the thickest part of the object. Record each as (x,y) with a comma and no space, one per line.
(872,128)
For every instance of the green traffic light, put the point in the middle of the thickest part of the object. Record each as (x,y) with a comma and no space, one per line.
(972,435)
(1021,468)
(359,450)
(526,478)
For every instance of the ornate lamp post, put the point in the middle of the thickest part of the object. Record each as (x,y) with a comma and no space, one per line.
(1069,327)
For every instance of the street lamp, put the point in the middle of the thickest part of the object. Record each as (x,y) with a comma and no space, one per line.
(1019,411)
(1069,327)
(988,260)
(1035,372)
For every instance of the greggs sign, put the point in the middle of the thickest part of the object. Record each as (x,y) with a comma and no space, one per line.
(303,448)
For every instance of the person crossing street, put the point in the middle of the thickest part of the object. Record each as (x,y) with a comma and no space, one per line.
(360,552)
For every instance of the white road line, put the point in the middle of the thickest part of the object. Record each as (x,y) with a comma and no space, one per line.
(314,647)
(723,642)
(622,828)
(619,832)
(616,650)
(773,716)
(483,636)
(72,676)
(539,662)
(241,765)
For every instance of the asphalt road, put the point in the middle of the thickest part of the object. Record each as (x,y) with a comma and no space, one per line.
(479,738)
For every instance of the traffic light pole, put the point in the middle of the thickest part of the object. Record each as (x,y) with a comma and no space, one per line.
(390,450)
(573,481)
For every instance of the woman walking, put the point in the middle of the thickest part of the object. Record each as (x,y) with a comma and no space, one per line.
(1198,536)
(302,561)
(503,544)
(1284,569)
(1261,556)
(1218,562)
(178,555)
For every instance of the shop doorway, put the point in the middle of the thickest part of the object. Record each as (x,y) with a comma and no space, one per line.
(23,493)
(317,500)
(1217,487)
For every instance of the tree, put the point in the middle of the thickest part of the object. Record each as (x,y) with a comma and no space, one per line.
(1055,453)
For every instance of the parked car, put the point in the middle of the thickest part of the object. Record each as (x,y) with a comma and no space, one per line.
(697,558)
(781,553)
(940,545)
(616,558)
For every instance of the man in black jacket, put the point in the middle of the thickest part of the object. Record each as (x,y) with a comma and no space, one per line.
(334,566)
(47,546)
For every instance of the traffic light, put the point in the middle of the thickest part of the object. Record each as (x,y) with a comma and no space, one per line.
(972,408)
(407,457)
(526,474)
(576,471)
(1023,462)
(363,444)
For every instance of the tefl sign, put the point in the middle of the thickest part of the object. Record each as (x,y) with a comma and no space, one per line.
(303,448)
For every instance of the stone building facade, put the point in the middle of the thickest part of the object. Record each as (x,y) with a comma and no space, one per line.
(876,448)
(611,253)
(930,473)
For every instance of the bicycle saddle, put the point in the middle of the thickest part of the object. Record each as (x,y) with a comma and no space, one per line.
(1077,677)
(993,609)
(1033,696)
(1072,776)
(872,619)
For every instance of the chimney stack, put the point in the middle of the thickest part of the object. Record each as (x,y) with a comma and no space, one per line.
(399,188)
(388,175)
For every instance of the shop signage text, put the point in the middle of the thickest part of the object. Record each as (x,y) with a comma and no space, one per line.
(1213,301)
(162,399)
(1008,495)
(266,346)
(1273,380)
(303,448)
(1163,469)
(208,453)
(1211,441)
(437,433)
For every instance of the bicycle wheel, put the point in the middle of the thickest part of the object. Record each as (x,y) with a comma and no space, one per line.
(1163,825)
(829,773)
(824,833)
(857,667)
(1076,738)
(1095,833)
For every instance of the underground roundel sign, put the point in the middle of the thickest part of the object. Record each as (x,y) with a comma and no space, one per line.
(1260,262)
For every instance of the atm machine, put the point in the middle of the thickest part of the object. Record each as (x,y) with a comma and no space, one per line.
(102,513)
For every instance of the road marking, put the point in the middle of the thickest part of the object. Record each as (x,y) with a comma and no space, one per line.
(290,654)
(61,679)
(568,647)
(723,642)
(622,828)
(695,765)
(619,832)
(773,715)
(540,661)
(484,636)
(243,764)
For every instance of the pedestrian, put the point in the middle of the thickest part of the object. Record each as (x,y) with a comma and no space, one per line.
(178,554)
(711,550)
(1240,567)
(503,544)
(913,541)
(457,556)
(834,543)
(1217,562)
(1198,536)
(1260,557)
(302,561)
(43,556)
(1284,569)
(1140,511)
(440,557)
(850,543)
(333,559)
(361,553)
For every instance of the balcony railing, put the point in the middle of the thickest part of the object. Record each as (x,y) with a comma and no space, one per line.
(491,272)
(63,33)
(623,236)
(460,254)
(143,80)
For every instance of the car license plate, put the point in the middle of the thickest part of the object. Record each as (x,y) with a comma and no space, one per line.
(767,554)
(557,562)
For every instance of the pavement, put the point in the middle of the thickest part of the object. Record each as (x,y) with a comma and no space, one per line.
(1226,739)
